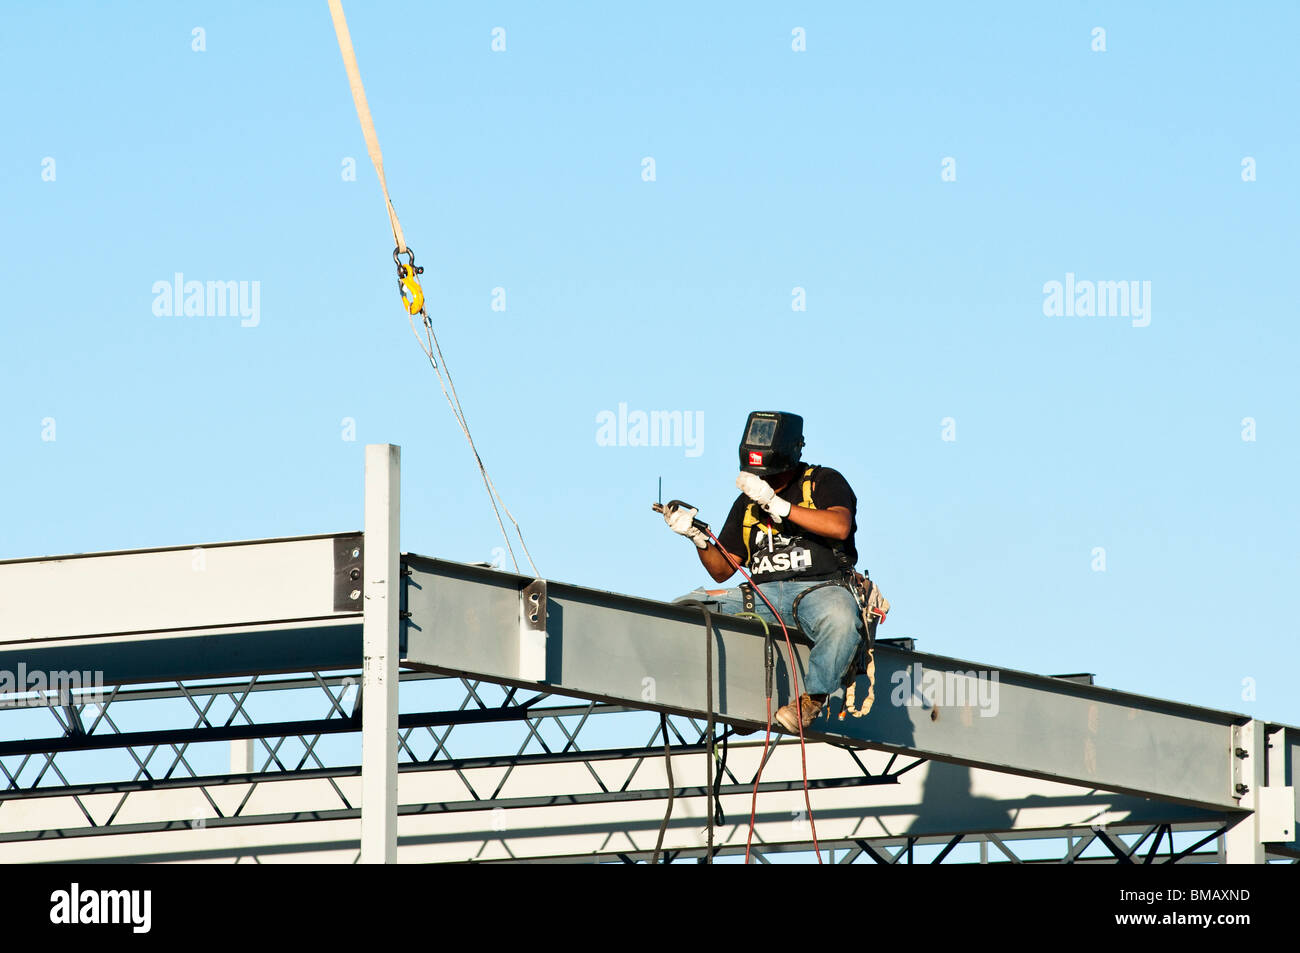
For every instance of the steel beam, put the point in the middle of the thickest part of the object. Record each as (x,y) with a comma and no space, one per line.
(166,589)
(610,804)
(192,735)
(180,612)
(334,841)
(621,649)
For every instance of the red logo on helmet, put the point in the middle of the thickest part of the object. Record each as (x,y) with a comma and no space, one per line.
(755,458)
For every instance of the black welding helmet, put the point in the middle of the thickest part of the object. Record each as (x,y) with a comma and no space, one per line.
(772,442)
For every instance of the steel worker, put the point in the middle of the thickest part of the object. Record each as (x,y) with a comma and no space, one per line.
(792,529)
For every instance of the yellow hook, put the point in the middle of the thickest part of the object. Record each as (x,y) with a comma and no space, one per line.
(412,293)
(408,284)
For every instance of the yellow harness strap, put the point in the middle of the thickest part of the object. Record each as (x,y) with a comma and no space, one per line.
(752,511)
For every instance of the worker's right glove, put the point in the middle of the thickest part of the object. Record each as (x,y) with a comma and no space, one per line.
(761,492)
(680,520)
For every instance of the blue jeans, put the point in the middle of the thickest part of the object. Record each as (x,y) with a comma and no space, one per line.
(829,616)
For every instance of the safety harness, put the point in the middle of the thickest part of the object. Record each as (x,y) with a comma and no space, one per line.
(871,604)
(756,516)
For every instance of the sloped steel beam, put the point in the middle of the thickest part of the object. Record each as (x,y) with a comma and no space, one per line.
(621,649)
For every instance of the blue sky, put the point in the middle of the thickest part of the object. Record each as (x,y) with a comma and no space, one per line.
(774,170)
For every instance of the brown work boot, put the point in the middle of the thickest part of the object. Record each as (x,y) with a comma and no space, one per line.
(787,717)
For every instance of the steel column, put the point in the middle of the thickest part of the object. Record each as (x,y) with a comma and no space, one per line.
(1242,843)
(382,595)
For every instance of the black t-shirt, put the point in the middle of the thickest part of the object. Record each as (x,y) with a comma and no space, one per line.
(789,552)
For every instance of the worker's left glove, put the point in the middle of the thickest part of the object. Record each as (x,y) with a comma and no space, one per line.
(681,520)
(758,490)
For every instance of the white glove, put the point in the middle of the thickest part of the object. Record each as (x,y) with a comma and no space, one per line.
(680,519)
(758,490)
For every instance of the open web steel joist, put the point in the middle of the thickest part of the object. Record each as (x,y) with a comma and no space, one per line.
(528,726)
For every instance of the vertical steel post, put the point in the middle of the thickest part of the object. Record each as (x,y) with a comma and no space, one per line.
(241,756)
(381,595)
(1242,844)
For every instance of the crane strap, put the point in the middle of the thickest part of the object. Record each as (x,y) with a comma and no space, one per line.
(363,113)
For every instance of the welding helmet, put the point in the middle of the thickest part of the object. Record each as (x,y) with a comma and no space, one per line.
(772,442)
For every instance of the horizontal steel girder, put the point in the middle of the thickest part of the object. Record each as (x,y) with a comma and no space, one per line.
(273,605)
(465,619)
(546,808)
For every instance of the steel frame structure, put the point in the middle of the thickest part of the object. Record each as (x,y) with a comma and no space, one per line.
(486,753)
(160,797)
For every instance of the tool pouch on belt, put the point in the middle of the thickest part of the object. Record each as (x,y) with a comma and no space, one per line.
(874,607)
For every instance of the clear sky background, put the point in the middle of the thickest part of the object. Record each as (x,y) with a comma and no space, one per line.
(775,169)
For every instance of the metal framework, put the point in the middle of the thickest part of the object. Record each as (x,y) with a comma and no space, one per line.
(246,692)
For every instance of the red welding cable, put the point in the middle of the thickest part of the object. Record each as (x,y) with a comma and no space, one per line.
(794,681)
(767,741)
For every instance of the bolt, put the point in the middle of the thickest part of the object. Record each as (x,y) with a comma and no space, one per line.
(355,594)
(1242,753)
(355,552)
(1241,788)
(355,574)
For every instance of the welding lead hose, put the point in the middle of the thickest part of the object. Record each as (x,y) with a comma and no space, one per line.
(712,805)
(668,762)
